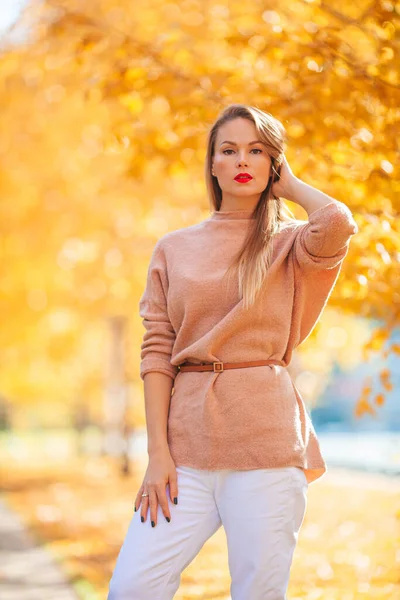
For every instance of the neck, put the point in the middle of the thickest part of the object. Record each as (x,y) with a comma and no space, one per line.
(239,214)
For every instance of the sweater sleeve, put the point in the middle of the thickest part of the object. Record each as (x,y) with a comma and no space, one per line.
(159,337)
(323,241)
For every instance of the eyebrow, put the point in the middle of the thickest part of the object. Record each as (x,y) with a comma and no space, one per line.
(235,144)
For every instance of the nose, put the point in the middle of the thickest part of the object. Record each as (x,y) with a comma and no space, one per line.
(242,161)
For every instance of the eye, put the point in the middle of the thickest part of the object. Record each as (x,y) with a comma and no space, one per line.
(230,150)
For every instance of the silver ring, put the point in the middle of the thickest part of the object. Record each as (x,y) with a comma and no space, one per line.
(144,495)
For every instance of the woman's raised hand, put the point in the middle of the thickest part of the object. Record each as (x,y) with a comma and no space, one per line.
(283,187)
(160,471)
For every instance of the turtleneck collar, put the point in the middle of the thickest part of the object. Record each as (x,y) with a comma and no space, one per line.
(229,215)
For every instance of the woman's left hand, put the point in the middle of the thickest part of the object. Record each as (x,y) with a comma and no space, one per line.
(283,188)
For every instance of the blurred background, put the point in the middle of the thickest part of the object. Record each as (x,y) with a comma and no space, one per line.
(104,111)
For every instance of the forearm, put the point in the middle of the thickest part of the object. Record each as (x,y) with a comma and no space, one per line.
(329,227)
(157,394)
(309,197)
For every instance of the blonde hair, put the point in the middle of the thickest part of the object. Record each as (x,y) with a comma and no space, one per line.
(254,258)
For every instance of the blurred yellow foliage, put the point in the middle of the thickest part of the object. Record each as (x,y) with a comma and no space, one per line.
(104,115)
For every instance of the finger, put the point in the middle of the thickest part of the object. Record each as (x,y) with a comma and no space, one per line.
(153,506)
(144,509)
(173,488)
(138,499)
(163,502)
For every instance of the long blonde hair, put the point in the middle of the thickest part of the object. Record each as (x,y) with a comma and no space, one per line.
(254,258)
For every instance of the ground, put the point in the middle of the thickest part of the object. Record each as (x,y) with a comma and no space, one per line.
(77,512)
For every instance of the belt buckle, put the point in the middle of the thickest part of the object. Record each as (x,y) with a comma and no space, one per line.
(218,364)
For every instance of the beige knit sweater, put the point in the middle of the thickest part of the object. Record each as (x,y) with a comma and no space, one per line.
(246,418)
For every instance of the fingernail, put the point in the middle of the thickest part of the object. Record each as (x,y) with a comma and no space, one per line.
(142,519)
(153,524)
(168,519)
(134,508)
(175,500)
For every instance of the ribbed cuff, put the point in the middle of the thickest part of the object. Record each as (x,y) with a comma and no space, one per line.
(160,365)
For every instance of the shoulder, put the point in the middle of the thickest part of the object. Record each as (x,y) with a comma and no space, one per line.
(285,237)
(290,228)
(291,224)
(172,238)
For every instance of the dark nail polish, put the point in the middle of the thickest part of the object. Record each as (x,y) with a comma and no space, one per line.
(142,519)
(175,500)
(153,524)
(168,519)
(134,508)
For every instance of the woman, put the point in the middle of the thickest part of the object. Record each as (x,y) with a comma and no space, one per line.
(226,302)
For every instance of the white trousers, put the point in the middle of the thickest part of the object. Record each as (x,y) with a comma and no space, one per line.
(261,511)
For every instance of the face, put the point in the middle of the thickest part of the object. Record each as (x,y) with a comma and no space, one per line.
(235,153)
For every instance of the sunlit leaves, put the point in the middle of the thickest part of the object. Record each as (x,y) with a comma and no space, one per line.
(104,113)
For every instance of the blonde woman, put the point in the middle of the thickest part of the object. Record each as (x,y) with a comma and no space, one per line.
(226,302)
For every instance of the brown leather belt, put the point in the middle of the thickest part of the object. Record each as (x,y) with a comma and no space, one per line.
(219,367)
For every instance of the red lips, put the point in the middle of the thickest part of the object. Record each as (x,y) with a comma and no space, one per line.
(243,177)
